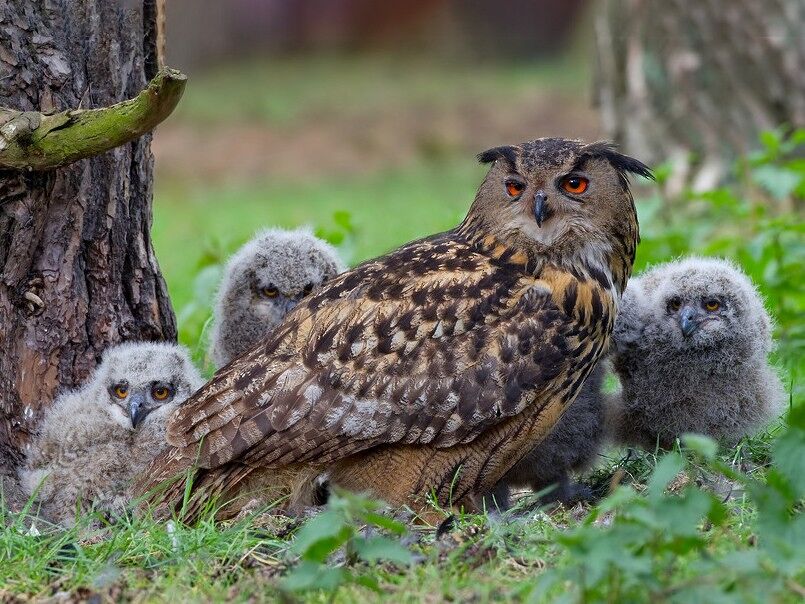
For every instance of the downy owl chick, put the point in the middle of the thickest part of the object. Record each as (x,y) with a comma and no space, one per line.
(262,282)
(572,446)
(92,441)
(692,339)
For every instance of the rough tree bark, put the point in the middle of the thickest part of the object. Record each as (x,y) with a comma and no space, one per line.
(696,82)
(78,267)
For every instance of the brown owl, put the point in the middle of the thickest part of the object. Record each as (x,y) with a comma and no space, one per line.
(432,369)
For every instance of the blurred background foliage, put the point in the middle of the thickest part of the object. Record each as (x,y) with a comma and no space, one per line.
(363,120)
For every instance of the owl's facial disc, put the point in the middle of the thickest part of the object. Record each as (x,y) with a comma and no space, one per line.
(143,401)
(540,199)
(699,320)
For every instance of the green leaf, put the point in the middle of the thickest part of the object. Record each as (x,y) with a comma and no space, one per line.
(788,455)
(382,548)
(718,512)
(370,582)
(779,182)
(384,522)
(321,536)
(343,219)
(309,575)
(701,444)
(771,139)
(665,471)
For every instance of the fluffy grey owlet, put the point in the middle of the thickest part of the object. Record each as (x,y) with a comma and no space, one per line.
(262,282)
(692,339)
(93,440)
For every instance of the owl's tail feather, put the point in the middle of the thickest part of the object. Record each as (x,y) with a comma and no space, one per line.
(162,487)
(224,492)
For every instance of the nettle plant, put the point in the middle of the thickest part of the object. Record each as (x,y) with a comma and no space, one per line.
(343,544)
(679,542)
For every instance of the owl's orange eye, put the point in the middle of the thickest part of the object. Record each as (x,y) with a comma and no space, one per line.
(121,391)
(712,305)
(514,188)
(270,291)
(575,184)
(160,393)
(674,304)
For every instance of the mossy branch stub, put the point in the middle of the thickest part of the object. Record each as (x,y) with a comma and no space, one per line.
(35,141)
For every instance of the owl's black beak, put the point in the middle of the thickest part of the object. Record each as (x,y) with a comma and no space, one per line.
(540,207)
(688,321)
(137,409)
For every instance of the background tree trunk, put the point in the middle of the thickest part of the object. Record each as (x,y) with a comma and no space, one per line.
(79,271)
(696,82)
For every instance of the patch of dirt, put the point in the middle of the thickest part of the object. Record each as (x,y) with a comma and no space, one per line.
(331,145)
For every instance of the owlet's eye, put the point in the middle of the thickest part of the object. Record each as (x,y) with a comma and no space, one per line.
(121,391)
(514,188)
(712,305)
(270,291)
(575,184)
(674,304)
(160,393)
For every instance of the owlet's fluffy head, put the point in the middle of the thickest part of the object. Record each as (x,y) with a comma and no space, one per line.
(262,282)
(705,307)
(138,382)
(691,341)
(562,201)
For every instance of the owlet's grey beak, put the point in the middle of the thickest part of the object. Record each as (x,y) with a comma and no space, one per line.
(137,409)
(540,201)
(688,321)
(288,304)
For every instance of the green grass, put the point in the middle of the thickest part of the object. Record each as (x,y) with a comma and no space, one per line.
(662,539)
(293,89)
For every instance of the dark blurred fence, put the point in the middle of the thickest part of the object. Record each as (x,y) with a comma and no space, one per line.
(201,32)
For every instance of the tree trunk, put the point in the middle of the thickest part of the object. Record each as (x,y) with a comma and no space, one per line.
(79,271)
(696,82)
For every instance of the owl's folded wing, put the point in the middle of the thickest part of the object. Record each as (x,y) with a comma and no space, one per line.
(435,361)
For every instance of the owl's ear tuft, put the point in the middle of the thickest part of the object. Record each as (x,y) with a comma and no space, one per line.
(622,163)
(507,153)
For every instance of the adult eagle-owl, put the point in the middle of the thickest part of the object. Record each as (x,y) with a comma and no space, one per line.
(434,368)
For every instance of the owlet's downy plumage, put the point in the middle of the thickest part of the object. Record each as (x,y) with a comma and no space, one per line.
(262,282)
(92,441)
(434,368)
(691,347)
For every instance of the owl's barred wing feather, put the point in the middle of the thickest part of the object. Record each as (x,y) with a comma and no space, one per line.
(434,344)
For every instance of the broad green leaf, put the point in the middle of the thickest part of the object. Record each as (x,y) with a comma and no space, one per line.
(667,468)
(385,522)
(321,535)
(701,444)
(789,458)
(309,575)
(382,548)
